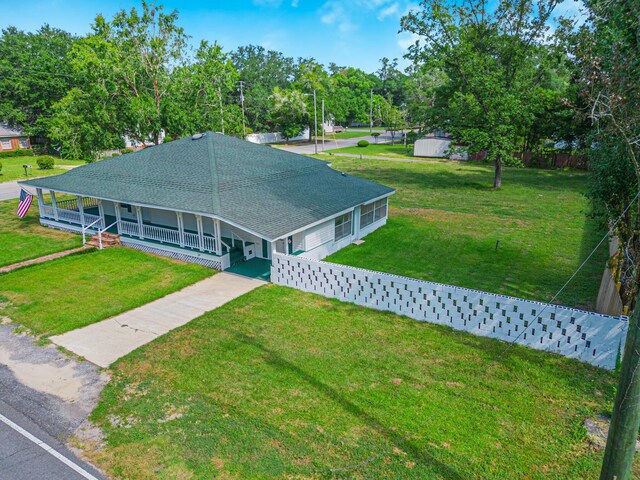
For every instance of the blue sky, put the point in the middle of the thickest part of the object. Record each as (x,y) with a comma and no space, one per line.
(348,32)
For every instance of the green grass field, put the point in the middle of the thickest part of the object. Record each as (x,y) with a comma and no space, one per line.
(12,168)
(380,150)
(24,238)
(347,134)
(445,221)
(60,295)
(284,384)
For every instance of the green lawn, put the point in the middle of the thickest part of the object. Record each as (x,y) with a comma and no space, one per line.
(347,134)
(24,238)
(71,292)
(12,168)
(380,150)
(445,221)
(285,384)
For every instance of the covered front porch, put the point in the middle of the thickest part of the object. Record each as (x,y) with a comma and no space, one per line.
(186,236)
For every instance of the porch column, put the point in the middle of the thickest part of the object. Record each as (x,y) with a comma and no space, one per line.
(200,232)
(101,213)
(218,234)
(40,200)
(180,228)
(81,210)
(355,221)
(116,207)
(139,219)
(54,204)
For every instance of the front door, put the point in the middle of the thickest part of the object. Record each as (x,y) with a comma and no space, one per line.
(290,245)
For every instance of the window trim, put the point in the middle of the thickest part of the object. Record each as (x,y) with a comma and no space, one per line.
(373,212)
(344,219)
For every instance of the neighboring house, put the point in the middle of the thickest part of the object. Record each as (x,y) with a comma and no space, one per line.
(216,200)
(12,138)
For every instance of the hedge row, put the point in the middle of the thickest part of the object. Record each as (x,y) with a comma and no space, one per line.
(16,153)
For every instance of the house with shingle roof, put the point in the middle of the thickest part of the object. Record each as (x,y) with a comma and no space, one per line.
(12,138)
(215,200)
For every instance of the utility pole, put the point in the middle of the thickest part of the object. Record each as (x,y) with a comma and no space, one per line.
(323,124)
(371,113)
(221,111)
(315,117)
(244,127)
(625,421)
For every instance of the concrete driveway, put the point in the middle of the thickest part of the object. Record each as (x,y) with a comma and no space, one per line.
(105,342)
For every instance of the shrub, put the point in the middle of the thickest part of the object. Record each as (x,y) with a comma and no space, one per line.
(126,150)
(0,168)
(45,163)
(16,153)
(363,143)
(115,154)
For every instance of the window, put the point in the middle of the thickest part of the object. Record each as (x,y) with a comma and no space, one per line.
(24,142)
(373,212)
(5,143)
(343,226)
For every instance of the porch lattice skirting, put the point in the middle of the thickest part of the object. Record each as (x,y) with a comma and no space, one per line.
(590,337)
(185,257)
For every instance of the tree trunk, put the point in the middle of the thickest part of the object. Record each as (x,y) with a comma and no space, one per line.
(497,181)
(623,431)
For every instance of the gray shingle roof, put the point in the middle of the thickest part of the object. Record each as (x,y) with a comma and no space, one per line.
(7,131)
(266,190)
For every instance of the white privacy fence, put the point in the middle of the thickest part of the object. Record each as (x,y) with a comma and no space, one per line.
(590,337)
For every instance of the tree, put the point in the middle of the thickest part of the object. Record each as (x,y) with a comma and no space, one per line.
(392,117)
(262,70)
(125,66)
(494,62)
(34,74)
(606,52)
(289,111)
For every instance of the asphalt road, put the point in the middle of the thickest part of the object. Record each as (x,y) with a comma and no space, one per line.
(29,374)
(9,190)
(22,459)
(330,144)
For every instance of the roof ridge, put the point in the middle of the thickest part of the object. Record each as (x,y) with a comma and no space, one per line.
(213,170)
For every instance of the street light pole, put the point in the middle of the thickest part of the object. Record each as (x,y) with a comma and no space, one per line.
(244,127)
(323,124)
(371,113)
(315,119)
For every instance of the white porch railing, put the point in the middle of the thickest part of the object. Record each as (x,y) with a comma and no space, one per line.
(69,216)
(191,240)
(70,204)
(168,235)
(47,211)
(129,228)
(93,219)
(209,244)
(160,234)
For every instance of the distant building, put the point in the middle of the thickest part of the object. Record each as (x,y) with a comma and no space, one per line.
(437,145)
(12,139)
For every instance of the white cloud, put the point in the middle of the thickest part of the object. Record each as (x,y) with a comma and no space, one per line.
(406,39)
(387,11)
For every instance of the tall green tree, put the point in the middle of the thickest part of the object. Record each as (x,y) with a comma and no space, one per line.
(34,74)
(262,71)
(125,69)
(494,60)
(606,50)
(289,112)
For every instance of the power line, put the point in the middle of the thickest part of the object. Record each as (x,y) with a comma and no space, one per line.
(496,360)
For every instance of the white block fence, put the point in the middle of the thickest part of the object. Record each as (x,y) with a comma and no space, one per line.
(590,337)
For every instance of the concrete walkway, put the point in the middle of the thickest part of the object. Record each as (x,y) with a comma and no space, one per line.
(105,342)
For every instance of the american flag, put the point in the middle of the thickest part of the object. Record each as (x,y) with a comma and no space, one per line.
(25,202)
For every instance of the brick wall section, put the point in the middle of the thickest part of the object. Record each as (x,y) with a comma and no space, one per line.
(590,337)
